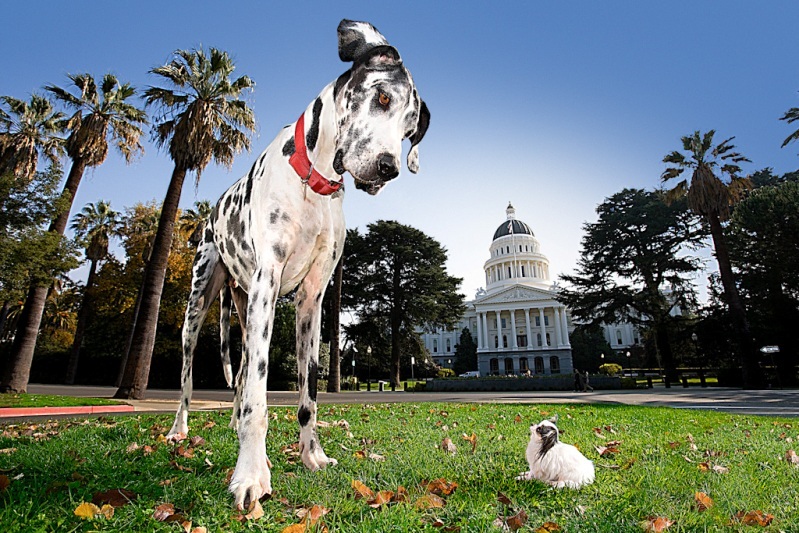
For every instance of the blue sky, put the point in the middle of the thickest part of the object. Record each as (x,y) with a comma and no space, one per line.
(553,106)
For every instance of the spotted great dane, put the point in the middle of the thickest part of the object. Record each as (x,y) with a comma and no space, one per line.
(281,228)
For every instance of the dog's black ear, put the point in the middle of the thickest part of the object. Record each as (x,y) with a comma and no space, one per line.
(417,136)
(356,38)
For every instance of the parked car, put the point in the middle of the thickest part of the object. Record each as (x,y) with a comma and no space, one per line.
(471,374)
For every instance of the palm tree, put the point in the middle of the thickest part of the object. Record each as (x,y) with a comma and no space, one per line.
(193,220)
(94,226)
(28,131)
(202,119)
(711,198)
(99,118)
(790,116)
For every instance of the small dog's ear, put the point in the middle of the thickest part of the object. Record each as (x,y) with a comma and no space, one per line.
(554,419)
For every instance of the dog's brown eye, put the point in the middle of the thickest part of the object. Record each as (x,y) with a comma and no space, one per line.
(384,99)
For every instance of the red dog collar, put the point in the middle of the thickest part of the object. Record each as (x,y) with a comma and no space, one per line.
(302,165)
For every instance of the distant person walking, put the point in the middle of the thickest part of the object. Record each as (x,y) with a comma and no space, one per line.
(586,385)
(579,381)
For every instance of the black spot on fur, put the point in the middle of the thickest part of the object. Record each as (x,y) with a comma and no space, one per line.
(238,413)
(280,251)
(209,235)
(247,411)
(304,415)
(186,402)
(265,334)
(248,190)
(227,202)
(340,82)
(262,368)
(289,148)
(201,268)
(285,217)
(313,132)
(300,382)
(306,325)
(313,371)
(312,446)
(273,216)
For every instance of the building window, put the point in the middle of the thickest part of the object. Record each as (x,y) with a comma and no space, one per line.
(546,320)
(508,366)
(523,271)
(503,324)
(510,274)
(538,321)
(549,342)
(496,341)
(521,340)
(520,247)
(538,339)
(539,365)
(523,365)
(618,336)
(504,341)
(435,346)
(554,365)
(449,345)
(493,366)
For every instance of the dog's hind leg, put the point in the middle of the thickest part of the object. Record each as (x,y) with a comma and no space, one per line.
(208,275)
(240,301)
(308,303)
(224,333)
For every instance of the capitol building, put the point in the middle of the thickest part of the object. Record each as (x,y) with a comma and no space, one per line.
(517,321)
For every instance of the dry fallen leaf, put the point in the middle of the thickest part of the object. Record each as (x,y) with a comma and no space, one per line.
(517,419)
(164,512)
(656,524)
(361,490)
(255,511)
(517,521)
(383,497)
(703,501)
(86,511)
(792,458)
(440,486)
(504,500)
(448,446)
(114,497)
(4,482)
(471,439)
(754,518)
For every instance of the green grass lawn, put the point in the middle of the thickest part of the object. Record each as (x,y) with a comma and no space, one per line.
(44,400)
(664,457)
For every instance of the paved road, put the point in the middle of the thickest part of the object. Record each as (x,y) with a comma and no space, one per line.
(766,402)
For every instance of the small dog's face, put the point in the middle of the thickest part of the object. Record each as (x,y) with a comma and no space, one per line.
(545,435)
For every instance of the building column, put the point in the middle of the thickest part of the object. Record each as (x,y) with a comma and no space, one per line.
(486,344)
(527,322)
(543,328)
(479,332)
(500,344)
(565,327)
(513,327)
(558,338)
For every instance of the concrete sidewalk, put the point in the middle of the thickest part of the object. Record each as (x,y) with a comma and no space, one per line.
(763,402)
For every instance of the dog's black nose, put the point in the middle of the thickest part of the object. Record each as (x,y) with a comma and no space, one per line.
(387,167)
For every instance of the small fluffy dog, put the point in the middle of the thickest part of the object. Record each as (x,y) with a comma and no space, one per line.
(554,462)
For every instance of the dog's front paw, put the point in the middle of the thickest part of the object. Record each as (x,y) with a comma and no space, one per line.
(524,476)
(250,484)
(178,432)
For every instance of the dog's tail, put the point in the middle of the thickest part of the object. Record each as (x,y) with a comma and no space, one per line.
(225,302)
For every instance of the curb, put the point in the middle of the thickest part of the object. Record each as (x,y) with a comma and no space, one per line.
(12,412)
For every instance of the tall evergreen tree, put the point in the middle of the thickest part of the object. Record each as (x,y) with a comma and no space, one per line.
(465,353)
(629,258)
(202,118)
(712,198)
(397,273)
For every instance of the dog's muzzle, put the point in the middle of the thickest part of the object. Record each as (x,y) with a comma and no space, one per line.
(387,167)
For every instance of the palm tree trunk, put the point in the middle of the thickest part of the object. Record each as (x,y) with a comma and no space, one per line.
(80,328)
(747,354)
(137,370)
(124,363)
(18,369)
(334,375)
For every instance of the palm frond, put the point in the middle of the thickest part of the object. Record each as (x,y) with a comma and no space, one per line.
(791,116)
